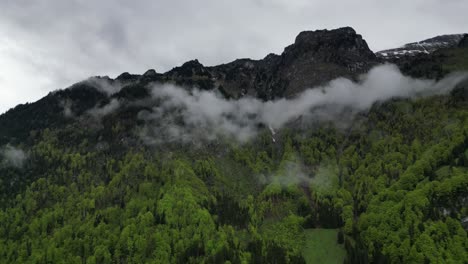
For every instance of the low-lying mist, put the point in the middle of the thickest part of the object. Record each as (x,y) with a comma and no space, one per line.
(12,156)
(189,115)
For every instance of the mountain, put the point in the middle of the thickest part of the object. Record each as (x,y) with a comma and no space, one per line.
(426,46)
(433,58)
(325,153)
(315,58)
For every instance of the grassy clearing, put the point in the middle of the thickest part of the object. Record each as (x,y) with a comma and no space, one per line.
(321,247)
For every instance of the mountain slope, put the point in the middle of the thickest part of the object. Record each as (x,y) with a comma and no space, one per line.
(426,46)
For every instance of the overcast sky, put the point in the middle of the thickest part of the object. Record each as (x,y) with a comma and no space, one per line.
(50,44)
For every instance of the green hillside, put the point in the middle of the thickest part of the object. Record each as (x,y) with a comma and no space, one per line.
(394,184)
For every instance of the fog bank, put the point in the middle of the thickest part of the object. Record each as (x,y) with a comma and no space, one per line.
(186,115)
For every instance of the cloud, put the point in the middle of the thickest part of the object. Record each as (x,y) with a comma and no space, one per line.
(193,115)
(67,108)
(52,44)
(13,156)
(290,173)
(322,180)
(99,112)
(105,85)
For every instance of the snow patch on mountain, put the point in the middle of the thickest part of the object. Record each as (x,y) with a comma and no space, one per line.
(426,46)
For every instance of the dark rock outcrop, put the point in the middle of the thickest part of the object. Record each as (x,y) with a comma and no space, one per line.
(150,73)
(127,77)
(315,58)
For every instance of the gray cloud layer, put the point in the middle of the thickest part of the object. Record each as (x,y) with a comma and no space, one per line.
(182,115)
(51,44)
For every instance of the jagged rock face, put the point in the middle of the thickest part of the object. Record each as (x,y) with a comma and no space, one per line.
(341,46)
(150,73)
(426,46)
(315,58)
(127,77)
(191,73)
(241,77)
(188,70)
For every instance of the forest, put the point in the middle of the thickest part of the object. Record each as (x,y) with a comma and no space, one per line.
(390,187)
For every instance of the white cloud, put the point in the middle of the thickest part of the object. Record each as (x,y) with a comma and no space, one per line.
(13,156)
(98,112)
(182,115)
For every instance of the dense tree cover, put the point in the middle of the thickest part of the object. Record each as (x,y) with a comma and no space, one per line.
(395,182)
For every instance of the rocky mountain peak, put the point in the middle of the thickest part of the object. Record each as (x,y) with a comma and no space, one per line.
(319,56)
(318,38)
(188,69)
(334,45)
(150,73)
(127,77)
